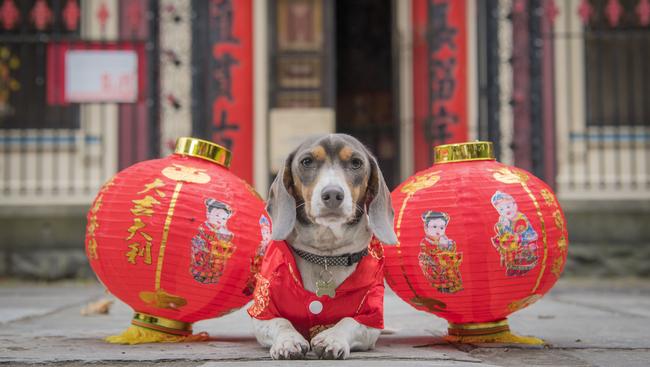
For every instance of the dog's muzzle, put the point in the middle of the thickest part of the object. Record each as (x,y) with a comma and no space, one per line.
(332,196)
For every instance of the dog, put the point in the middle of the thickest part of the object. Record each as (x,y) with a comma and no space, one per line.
(326,204)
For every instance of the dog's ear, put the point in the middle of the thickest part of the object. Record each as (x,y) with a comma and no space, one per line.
(281,205)
(380,208)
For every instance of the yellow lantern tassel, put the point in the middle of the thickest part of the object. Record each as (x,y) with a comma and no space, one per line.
(139,335)
(488,332)
(504,337)
(155,329)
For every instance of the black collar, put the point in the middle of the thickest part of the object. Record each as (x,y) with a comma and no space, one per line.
(341,260)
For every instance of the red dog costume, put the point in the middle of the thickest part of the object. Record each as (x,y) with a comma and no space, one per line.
(279,292)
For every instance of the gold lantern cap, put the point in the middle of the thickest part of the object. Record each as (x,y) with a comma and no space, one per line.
(462,152)
(203,149)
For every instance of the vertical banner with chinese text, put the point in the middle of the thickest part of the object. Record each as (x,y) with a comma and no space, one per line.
(231,80)
(439,76)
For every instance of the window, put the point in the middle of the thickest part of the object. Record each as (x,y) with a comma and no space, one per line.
(617,57)
(26,28)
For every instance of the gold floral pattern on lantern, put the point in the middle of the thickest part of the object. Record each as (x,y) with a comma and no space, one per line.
(162,299)
(418,183)
(556,267)
(524,302)
(509,176)
(558,264)
(260,296)
(252,190)
(431,304)
(549,198)
(178,172)
(562,243)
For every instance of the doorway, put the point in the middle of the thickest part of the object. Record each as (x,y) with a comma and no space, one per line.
(366,92)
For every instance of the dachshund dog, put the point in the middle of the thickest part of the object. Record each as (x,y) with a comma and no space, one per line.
(321,280)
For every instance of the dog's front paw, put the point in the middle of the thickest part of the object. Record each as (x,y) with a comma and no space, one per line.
(330,345)
(289,346)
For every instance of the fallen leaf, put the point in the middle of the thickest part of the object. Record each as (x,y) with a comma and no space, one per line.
(100,307)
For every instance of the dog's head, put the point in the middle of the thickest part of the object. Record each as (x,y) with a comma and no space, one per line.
(331,180)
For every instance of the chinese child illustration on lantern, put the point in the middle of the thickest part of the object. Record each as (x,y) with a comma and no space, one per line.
(515,238)
(438,258)
(212,246)
(256,261)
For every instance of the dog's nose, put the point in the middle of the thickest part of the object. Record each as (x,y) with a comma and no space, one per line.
(332,196)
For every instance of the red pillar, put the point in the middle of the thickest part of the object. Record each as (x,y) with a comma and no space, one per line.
(231,81)
(439,76)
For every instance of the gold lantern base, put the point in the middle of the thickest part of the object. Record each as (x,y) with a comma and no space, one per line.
(147,328)
(487,332)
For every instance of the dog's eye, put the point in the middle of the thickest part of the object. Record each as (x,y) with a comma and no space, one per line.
(307,162)
(356,163)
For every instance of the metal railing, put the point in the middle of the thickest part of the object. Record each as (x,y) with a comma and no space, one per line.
(605,121)
(577,100)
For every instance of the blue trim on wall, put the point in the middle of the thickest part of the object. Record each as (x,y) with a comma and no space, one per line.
(609,137)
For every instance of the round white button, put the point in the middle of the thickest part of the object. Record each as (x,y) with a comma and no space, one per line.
(316,307)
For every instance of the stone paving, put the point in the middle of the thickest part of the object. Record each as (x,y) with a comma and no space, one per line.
(585,323)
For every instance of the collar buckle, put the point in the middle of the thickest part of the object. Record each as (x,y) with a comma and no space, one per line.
(356,257)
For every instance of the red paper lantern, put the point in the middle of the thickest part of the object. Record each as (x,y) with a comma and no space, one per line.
(177,239)
(478,240)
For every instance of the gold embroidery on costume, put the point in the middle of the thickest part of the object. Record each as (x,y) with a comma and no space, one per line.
(261,296)
(317,329)
(256,260)
(375,249)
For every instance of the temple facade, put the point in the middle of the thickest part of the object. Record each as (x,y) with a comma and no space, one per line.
(88,87)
